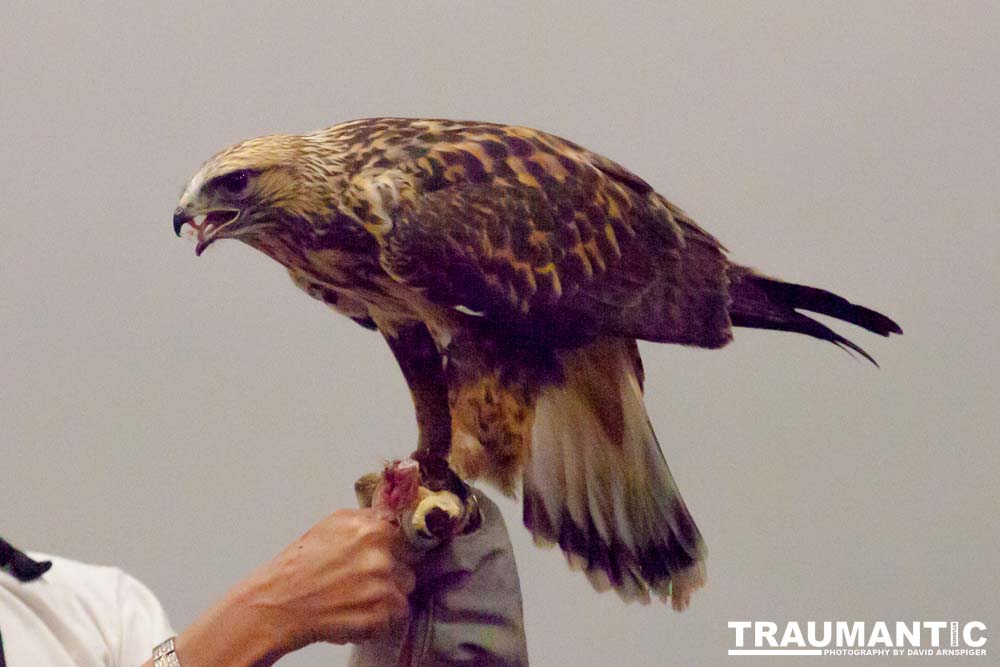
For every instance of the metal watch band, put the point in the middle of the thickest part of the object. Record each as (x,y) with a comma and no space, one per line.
(164,656)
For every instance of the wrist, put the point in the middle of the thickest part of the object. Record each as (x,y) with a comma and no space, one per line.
(242,629)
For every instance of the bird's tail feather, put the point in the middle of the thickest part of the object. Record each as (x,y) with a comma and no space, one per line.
(597,483)
(759,302)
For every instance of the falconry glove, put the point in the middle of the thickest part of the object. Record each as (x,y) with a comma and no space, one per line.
(466,608)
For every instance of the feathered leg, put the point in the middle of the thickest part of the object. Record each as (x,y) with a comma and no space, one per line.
(443,502)
(423,368)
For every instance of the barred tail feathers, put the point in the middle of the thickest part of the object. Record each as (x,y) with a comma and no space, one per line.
(598,485)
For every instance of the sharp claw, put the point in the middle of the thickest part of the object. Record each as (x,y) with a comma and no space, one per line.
(441,515)
(429,515)
(445,505)
(473,514)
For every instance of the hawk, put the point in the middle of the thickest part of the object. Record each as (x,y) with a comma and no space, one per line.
(511,273)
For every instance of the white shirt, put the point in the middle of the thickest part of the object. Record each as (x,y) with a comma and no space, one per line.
(79,615)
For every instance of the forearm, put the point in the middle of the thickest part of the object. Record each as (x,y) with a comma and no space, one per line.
(241,630)
(340,582)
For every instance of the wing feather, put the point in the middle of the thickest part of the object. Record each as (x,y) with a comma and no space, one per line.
(538,234)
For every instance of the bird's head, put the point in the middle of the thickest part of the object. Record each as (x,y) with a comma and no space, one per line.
(251,190)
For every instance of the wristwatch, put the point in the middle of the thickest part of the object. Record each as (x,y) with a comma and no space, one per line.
(164,656)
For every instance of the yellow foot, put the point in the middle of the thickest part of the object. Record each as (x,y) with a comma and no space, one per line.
(427,517)
(436,512)
(439,516)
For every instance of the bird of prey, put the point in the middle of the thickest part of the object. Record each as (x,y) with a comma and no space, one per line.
(511,272)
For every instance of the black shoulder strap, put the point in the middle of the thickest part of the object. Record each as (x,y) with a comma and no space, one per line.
(21,566)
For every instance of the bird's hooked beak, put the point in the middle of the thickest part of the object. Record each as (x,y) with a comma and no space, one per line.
(205,226)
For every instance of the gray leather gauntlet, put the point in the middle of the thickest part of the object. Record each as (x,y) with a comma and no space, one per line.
(466,608)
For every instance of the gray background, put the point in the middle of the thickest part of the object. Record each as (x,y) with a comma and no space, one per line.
(186,418)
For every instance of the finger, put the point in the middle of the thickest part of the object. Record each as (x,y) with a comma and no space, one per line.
(383,618)
(404,578)
(398,609)
(402,549)
(378,526)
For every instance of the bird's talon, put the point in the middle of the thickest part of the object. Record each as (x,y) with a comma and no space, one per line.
(437,523)
(473,515)
(438,514)
(404,493)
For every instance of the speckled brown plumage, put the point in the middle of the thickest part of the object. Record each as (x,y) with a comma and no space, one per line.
(511,272)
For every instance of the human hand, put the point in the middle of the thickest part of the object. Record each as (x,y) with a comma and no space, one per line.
(345,580)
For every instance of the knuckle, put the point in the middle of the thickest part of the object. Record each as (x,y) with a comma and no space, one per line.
(384,592)
(379,563)
(341,516)
(368,528)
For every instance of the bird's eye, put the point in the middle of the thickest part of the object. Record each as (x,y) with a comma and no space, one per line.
(234,182)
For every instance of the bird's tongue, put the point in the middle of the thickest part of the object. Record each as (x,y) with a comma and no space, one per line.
(201,228)
(204,232)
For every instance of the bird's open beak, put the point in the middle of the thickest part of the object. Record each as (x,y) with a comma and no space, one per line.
(204,227)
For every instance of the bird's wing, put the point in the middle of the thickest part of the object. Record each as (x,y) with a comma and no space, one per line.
(553,235)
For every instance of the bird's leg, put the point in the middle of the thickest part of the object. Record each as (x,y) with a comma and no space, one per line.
(423,368)
(445,503)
